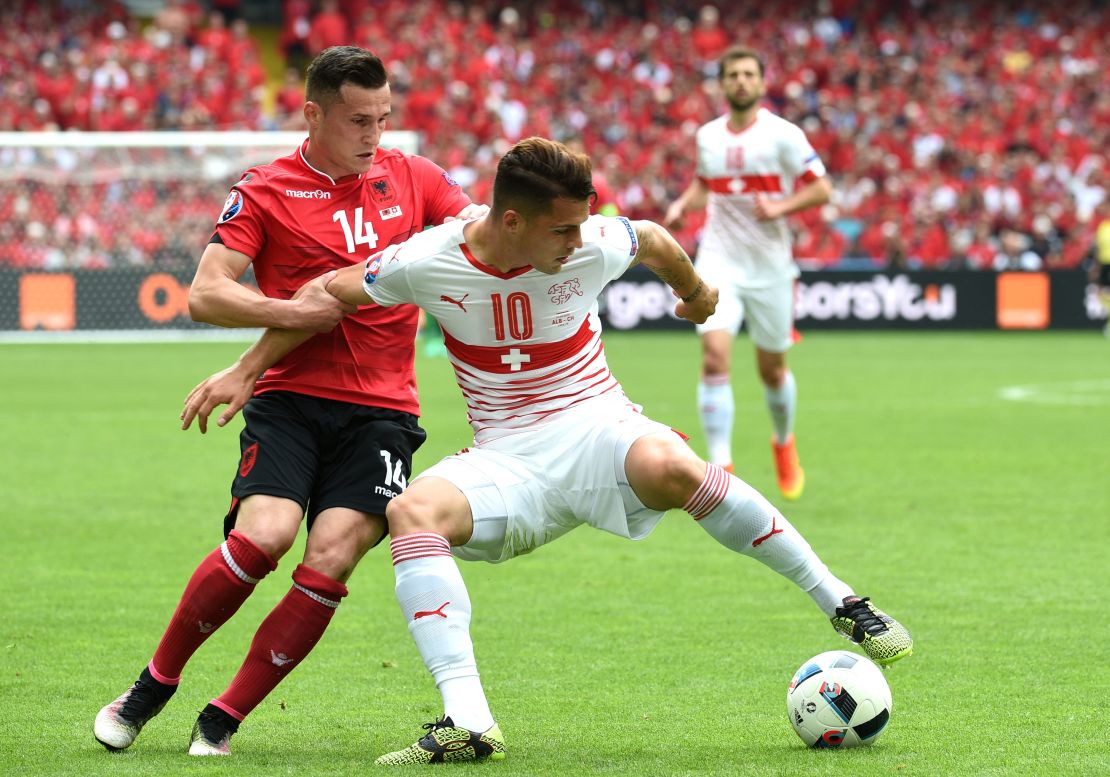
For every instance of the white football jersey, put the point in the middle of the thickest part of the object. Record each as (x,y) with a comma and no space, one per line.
(768,156)
(524,345)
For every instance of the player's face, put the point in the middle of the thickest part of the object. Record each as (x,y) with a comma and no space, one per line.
(549,238)
(345,136)
(743,84)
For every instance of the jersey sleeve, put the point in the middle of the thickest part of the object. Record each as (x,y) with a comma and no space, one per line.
(241,224)
(615,238)
(798,157)
(443,196)
(385,278)
(701,170)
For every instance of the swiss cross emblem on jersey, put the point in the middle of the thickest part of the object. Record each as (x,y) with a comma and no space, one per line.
(562,292)
(515,358)
(381,191)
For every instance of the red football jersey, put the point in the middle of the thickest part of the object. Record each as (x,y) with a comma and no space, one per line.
(296,223)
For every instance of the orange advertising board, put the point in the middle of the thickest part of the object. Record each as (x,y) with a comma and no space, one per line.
(1023,300)
(47,301)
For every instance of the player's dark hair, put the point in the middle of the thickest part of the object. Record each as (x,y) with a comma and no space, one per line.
(342,65)
(537,171)
(737,52)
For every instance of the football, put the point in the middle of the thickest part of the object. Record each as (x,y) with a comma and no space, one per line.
(838,699)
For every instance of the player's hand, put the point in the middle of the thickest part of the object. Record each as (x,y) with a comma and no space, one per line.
(766,208)
(698,306)
(676,214)
(472,211)
(231,387)
(317,310)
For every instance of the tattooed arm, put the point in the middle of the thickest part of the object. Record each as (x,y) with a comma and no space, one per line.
(662,254)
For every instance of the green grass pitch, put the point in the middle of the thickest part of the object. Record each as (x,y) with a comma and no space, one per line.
(959,479)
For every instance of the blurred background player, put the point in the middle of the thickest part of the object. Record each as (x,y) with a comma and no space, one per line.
(753,169)
(1100,259)
(332,427)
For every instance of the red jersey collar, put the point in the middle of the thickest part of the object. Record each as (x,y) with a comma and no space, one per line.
(315,171)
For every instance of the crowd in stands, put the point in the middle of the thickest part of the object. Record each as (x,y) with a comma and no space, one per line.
(76,65)
(969,135)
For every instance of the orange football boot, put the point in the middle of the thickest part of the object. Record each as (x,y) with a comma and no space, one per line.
(792,478)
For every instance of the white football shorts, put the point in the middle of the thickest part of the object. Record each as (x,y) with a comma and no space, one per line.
(530,488)
(769,310)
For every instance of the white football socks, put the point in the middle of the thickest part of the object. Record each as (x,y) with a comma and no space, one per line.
(436,606)
(715,405)
(781,403)
(741,519)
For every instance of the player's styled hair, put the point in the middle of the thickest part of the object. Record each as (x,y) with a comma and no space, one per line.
(536,171)
(342,65)
(736,52)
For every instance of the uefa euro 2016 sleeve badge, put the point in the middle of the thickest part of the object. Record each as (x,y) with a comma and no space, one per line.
(373,265)
(232,205)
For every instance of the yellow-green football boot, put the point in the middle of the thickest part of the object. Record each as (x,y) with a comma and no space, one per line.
(882,638)
(445,742)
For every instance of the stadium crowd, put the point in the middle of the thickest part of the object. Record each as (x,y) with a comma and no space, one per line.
(968,135)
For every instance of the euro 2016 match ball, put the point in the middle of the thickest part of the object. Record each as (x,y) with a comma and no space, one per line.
(838,699)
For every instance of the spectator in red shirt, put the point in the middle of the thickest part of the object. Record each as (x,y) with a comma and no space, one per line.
(709,39)
(296,27)
(290,99)
(216,37)
(822,245)
(930,244)
(329,28)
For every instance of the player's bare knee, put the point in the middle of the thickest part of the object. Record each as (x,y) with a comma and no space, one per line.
(664,473)
(430,510)
(271,523)
(328,563)
(684,474)
(714,364)
(716,354)
(274,537)
(772,368)
(339,540)
(773,377)
(410,513)
(336,560)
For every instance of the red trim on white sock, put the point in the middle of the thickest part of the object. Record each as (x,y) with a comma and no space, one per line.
(419,545)
(710,493)
(715,380)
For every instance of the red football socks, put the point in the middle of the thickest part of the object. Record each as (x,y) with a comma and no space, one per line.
(218,587)
(283,640)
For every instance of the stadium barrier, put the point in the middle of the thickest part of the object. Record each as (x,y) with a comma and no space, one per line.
(901,300)
(135,300)
(88,300)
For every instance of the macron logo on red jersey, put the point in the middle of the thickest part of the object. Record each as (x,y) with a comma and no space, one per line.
(318,194)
